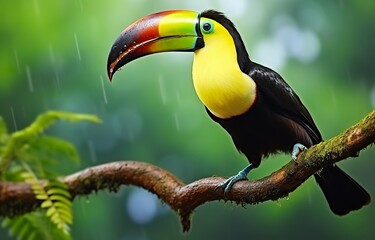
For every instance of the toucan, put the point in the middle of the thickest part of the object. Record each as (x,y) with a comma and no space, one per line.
(253,103)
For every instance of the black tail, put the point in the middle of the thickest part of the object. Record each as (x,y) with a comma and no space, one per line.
(341,191)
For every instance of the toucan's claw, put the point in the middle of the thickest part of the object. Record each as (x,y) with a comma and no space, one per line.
(228,184)
(297,149)
(241,175)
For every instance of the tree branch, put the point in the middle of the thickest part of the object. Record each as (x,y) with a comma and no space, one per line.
(18,198)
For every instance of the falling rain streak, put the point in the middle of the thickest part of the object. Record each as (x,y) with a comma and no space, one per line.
(77,47)
(92,152)
(29,79)
(103,89)
(14,119)
(17,60)
(57,77)
(177,121)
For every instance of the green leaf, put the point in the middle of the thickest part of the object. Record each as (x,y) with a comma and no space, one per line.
(65,215)
(63,205)
(36,186)
(31,157)
(47,147)
(59,191)
(51,211)
(14,174)
(57,184)
(45,204)
(35,226)
(59,205)
(32,236)
(60,199)
(43,121)
(23,144)
(56,202)
(16,226)
(41,196)
(27,175)
(25,231)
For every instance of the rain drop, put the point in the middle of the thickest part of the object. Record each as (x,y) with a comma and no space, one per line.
(104,92)
(29,79)
(92,152)
(177,121)
(14,119)
(77,47)
(57,77)
(17,60)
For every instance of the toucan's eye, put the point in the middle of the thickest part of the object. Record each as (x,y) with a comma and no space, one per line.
(207,27)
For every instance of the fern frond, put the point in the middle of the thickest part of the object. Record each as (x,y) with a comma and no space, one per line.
(47,150)
(59,198)
(54,148)
(59,205)
(43,121)
(33,226)
(29,156)
(36,185)
(56,200)
(14,173)
(23,138)
(44,154)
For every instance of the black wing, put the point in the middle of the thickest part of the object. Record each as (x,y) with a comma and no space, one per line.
(282,99)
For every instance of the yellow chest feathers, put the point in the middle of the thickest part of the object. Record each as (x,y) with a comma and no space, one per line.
(220,84)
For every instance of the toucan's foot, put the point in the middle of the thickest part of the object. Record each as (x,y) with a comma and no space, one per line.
(241,175)
(228,184)
(297,149)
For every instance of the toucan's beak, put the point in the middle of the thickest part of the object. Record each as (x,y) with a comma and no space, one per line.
(175,30)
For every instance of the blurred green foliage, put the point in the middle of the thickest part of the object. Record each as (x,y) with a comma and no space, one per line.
(28,155)
(53,56)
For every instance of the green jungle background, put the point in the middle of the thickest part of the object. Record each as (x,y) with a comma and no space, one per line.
(53,55)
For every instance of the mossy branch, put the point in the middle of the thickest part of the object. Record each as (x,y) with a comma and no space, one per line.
(18,198)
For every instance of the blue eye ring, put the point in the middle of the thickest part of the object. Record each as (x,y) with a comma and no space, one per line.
(207,27)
